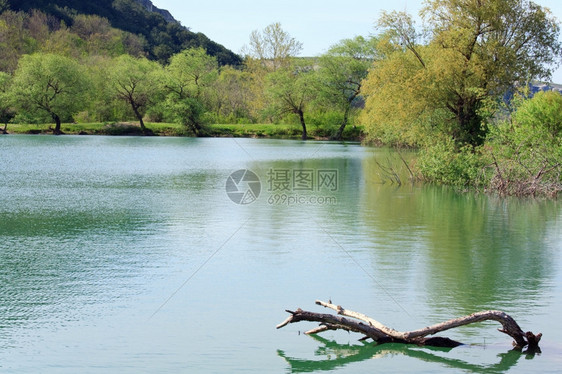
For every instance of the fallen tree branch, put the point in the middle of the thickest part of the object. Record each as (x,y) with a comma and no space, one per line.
(380,333)
(374,323)
(333,321)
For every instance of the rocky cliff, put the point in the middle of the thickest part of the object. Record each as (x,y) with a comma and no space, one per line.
(147,4)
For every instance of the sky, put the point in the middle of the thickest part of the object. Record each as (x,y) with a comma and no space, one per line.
(317,24)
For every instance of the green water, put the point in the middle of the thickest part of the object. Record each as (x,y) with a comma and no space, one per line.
(126,255)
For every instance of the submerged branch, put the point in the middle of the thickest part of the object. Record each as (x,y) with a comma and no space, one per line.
(361,323)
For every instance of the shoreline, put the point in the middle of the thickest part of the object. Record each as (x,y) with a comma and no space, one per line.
(258,131)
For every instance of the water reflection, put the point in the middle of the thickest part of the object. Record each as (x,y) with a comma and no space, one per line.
(335,356)
(469,251)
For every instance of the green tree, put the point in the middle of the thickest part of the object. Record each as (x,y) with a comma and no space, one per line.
(14,39)
(188,78)
(102,39)
(135,81)
(65,43)
(230,95)
(342,71)
(53,84)
(103,106)
(39,25)
(539,119)
(191,72)
(291,90)
(268,50)
(476,51)
(6,108)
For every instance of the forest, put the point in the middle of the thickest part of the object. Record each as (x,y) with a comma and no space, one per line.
(161,35)
(456,90)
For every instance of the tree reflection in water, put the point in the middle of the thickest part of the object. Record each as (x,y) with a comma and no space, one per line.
(339,355)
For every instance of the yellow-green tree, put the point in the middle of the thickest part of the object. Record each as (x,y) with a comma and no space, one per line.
(474,53)
(400,107)
(103,106)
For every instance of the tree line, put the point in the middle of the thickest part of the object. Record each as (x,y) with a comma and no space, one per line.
(92,72)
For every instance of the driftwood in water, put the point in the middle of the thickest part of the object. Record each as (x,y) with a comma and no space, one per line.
(380,333)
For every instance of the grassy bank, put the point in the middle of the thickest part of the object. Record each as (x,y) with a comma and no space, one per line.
(283,131)
(96,128)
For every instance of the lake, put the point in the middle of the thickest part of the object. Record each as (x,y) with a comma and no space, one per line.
(180,255)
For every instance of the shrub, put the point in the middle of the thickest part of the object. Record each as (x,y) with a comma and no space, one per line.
(526,150)
(447,163)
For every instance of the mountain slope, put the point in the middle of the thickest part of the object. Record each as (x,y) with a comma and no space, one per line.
(164,35)
(147,4)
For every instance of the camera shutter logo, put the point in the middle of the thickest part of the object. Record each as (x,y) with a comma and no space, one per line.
(243,187)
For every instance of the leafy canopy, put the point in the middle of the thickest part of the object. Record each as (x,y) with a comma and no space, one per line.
(53,84)
(190,71)
(474,52)
(135,81)
(291,90)
(188,79)
(6,110)
(527,148)
(341,74)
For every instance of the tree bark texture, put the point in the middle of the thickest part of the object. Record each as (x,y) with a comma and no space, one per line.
(303,124)
(57,130)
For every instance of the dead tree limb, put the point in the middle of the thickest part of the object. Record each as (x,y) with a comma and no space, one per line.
(380,333)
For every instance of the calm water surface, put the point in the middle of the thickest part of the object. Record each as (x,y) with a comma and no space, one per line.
(127,255)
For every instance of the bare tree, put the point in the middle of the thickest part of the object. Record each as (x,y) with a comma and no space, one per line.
(273,46)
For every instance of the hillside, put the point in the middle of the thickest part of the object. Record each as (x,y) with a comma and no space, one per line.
(147,4)
(164,35)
